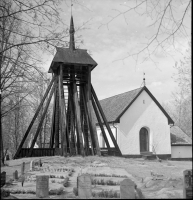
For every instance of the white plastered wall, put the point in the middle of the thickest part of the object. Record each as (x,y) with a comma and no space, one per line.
(181,152)
(100,137)
(144,112)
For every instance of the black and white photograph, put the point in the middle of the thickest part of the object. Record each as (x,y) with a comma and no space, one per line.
(96,99)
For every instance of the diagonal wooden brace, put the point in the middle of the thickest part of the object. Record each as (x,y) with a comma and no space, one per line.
(42,119)
(105,121)
(34,118)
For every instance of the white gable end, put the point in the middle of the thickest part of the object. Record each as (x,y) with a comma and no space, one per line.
(144,112)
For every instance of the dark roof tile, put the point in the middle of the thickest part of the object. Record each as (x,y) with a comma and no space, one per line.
(115,105)
(179,136)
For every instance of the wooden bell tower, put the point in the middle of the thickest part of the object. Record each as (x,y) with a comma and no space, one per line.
(75,107)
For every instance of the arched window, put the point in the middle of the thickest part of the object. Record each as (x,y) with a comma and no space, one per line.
(144,140)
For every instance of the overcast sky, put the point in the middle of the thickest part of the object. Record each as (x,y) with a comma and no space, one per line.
(109,45)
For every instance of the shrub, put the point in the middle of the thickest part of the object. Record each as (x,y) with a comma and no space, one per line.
(115,194)
(72,170)
(56,192)
(62,177)
(70,174)
(60,191)
(30,192)
(53,181)
(111,194)
(75,191)
(102,182)
(94,194)
(94,181)
(65,182)
(106,194)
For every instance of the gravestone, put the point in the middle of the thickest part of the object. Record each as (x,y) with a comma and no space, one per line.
(32,165)
(187,189)
(15,175)
(42,186)
(22,168)
(3,178)
(84,186)
(127,189)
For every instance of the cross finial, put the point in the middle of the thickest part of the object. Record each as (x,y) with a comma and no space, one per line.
(71,7)
(143,78)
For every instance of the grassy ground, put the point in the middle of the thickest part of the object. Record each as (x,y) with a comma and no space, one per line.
(155,179)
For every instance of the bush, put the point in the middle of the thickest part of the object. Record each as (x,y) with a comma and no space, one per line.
(94,194)
(75,191)
(111,194)
(53,181)
(106,194)
(30,192)
(72,170)
(70,174)
(56,192)
(102,182)
(65,182)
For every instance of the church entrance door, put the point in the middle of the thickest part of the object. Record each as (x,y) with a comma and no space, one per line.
(144,140)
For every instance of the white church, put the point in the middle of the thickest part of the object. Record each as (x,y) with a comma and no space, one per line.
(139,124)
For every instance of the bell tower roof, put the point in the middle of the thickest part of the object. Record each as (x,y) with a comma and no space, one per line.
(71,56)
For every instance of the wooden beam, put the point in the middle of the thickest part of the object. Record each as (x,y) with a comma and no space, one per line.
(90,113)
(100,124)
(83,123)
(56,129)
(87,90)
(77,116)
(87,120)
(34,118)
(72,118)
(41,121)
(105,121)
(62,114)
(53,122)
(68,126)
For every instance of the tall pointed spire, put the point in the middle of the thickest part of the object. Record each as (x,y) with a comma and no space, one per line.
(72,31)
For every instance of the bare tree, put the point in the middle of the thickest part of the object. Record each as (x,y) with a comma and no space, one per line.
(168,25)
(26,27)
(180,108)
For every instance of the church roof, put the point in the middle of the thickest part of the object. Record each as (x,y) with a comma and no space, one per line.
(114,107)
(178,136)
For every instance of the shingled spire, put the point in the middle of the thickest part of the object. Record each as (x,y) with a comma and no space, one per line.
(72,31)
